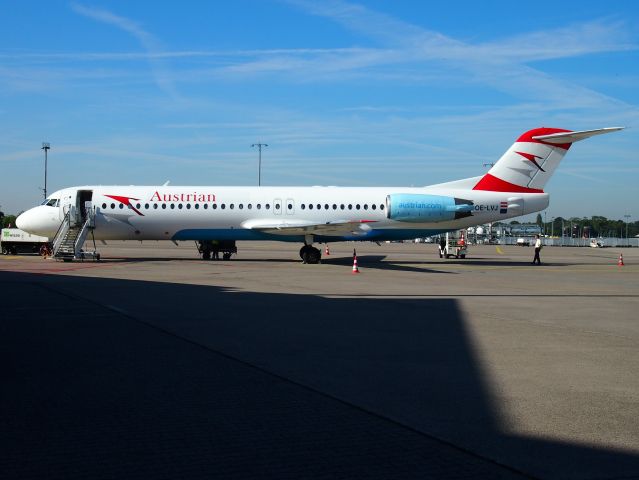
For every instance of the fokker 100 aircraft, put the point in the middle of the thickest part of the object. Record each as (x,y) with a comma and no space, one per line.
(514,186)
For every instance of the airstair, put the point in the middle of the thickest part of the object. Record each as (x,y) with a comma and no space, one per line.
(68,243)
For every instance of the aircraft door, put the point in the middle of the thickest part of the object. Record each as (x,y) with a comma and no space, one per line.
(277,206)
(68,205)
(84,204)
(290,206)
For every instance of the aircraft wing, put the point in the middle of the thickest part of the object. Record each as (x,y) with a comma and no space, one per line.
(305,227)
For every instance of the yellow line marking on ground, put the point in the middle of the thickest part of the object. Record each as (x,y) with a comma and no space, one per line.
(499,250)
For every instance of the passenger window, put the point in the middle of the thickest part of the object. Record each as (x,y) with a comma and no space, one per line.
(121,206)
(334,206)
(357,206)
(104,206)
(188,206)
(366,206)
(259,206)
(231,206)
(164,206)
(205,206)
(310,206)
(373,206)
(326,206)
(223,206)
(146,206)
(241,206)
(350,206)
(214,206)
(155,206)
(112,206)
(267,206)
(249,206)
(381,206)
(341,206)
(302,206)
(290,206)
(180,206)
(173,206)
(197,206)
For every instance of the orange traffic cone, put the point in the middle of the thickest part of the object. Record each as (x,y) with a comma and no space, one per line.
(355,269)
(620,262)
(327,251)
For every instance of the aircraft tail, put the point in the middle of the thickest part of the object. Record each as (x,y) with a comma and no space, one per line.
(528,165)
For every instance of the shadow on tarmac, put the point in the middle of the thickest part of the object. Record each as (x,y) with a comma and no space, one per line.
(107,377)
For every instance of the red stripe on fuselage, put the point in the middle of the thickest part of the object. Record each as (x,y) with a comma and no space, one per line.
(491,183)
(126,201)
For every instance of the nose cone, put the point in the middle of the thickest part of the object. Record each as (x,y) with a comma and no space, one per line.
(23,222)
(38,221)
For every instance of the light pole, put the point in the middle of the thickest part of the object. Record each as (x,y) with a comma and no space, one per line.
(259,161)
(627,217)
(45,146)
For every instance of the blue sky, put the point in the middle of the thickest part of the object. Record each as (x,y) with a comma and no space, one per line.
(372,93)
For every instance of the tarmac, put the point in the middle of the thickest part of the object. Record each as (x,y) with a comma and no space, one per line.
(155,364)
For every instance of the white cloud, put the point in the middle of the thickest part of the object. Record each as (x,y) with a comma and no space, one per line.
(146,39)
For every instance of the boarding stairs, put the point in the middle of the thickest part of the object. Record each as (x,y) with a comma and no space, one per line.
(68,243)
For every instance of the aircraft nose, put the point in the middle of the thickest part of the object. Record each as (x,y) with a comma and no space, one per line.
(24,221)
(36,221)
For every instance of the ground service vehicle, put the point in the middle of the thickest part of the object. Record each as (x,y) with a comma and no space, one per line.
(14,241)
(453,244)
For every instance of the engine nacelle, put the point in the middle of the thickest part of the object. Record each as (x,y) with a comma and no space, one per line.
(420,208)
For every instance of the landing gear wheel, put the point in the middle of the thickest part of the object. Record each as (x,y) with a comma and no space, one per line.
(311,254)
(206,255)
(226,256)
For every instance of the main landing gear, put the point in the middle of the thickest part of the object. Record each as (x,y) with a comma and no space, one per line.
(310,254)
(211,249)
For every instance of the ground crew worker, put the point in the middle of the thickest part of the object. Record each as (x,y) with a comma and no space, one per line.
(537,250)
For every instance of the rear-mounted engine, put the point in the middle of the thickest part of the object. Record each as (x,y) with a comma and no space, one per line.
(420,208)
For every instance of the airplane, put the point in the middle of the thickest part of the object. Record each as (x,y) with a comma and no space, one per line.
(514,186)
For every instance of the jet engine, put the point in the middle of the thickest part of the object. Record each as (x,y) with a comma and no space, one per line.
(422,208)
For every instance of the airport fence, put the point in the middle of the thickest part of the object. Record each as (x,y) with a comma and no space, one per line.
(577,242)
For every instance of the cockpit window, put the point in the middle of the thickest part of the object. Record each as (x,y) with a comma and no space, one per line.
(51,202)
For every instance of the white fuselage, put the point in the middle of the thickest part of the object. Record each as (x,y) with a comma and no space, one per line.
(277,213)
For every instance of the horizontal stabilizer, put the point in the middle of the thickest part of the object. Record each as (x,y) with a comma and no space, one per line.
(571,137)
